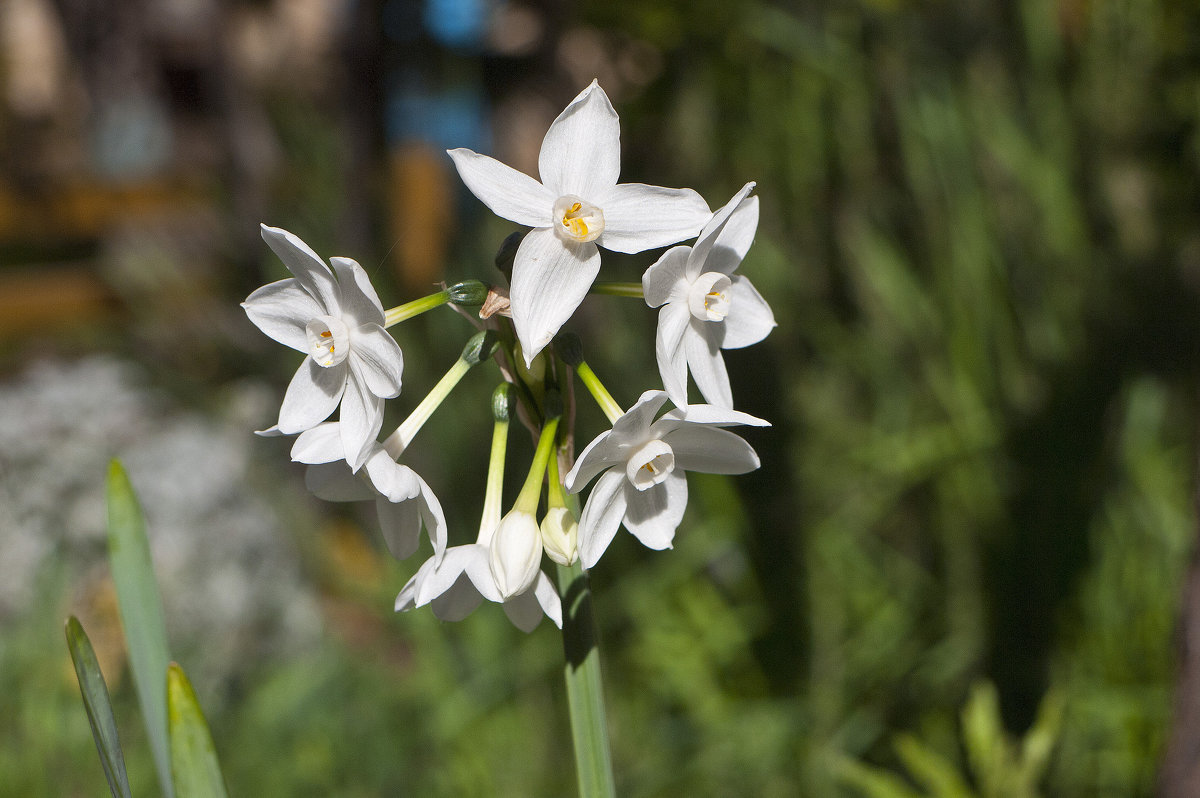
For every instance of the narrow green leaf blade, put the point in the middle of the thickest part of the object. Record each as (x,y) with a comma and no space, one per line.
(141,613)
(99,708)
(194,764)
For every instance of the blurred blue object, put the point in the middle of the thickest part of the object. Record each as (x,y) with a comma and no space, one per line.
(456,23)
(452,117)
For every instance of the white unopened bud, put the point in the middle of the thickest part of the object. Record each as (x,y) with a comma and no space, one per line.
(516,553)
(560,535)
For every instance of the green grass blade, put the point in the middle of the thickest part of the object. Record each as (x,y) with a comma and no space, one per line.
(194,764)
(141,613)
(99,708)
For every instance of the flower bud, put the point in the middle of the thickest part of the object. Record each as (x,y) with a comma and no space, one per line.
(535,372)
(560,535)
(502,402)
(516,553)
(508,252)
(568,346)
(468,292)
(480,347)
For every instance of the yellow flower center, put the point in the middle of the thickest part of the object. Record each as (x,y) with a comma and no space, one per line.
(577,220)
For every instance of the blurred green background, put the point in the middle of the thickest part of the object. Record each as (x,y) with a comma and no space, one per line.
(960,570)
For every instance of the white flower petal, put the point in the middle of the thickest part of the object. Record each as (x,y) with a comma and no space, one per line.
(602,516)
(731,229)
(712,415)
(359,302)
(281,310)
(734,239)
(581,153)
(396,482)
(663,281)
(311,396)
(510,194)
(710,450)
(400,523)
(654,514)
(524,610)
(707,366)
(550,279)
(596,456)
(439,577)
(361,419)
(457,602)
(406,599)
(321,444)
(674,322)
(435,522)
(376,359)
(547,596)
(638,217)
(334,482)
(312,273)
(516,553)
(633,428)
(750,318)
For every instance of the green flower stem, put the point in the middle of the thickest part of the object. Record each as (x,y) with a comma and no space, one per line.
(585,686)
(619,289)
(599,392)
(399,313)
(493,493)
(478,349)
(555,495)
(527,500)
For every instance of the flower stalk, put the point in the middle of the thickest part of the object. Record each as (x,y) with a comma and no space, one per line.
(619,289)
(585,686)
(479,348)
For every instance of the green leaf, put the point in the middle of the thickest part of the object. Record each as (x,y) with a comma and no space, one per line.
(932,770)
(99,708)
(141,613)
(194,764)
(873,782)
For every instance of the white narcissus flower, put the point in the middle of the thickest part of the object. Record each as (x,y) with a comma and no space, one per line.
(577,205)
(403,500)
(335,317)
(705,306)
(465,576)
(641,464)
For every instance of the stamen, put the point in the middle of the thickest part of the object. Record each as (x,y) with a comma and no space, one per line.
(580,221)
(709,297)
(328,340)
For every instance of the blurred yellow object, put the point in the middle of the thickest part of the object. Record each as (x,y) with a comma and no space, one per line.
(86,209)
(420,199)
(37,297)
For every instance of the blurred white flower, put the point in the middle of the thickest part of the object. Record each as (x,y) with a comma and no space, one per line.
(336,318)
(577,205)
(641,464)
(705,306)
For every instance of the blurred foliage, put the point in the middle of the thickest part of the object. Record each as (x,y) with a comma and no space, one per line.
(979,237)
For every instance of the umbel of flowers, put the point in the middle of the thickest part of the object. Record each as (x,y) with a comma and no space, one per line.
(636,470)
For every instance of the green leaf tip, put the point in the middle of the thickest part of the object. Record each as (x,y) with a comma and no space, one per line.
(141,613)
(195,771)
(98,705)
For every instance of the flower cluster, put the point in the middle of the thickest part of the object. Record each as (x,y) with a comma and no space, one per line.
(352,364)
